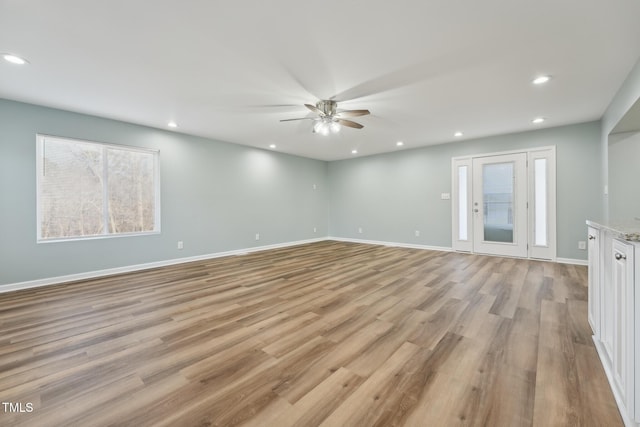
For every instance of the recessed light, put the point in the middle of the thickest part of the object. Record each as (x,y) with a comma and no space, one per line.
(172,125)
(399,143)
(538,120)
(541,80)
(458,134)
(354,151)
(272,146)
(14,59)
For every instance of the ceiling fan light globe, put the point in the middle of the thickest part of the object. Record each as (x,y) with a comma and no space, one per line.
(335,127)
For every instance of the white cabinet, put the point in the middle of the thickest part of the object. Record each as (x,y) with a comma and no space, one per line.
(614,276)
(623,351)
(607,308)
(594,280)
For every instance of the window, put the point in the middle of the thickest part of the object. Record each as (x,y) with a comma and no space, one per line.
(540,201)
(462,203)
(88,189)
(462,236)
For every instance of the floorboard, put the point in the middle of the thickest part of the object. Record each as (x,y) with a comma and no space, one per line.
(324,334)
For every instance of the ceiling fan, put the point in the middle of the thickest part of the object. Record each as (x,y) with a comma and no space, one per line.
(329,119)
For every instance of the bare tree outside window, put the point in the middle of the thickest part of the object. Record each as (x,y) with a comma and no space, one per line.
(131,191)
(88,189)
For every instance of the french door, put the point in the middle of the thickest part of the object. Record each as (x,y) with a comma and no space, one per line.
(504,204)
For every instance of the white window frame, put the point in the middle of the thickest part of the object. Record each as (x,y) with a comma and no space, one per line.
(40,140)
(547,251)
(459,244)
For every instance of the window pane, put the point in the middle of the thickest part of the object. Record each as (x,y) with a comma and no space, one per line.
(71,197)
(540,190)
(497,189)
(463,208)
(90,189)
(131,191)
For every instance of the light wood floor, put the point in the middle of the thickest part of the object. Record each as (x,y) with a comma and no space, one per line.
(331,334)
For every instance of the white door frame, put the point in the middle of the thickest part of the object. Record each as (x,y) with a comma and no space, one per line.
(541,236)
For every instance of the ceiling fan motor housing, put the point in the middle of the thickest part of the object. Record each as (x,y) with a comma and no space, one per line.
(329,120)
(328,107)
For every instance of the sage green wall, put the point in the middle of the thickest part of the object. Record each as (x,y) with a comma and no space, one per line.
(624,177)
(215,196)
(391,195)
(626,96)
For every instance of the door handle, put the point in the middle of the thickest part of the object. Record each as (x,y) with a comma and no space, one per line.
(592,237)
(620,256)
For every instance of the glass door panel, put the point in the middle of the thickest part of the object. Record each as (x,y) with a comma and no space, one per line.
(462,229)
(498,197)
(540,202)
(463,210)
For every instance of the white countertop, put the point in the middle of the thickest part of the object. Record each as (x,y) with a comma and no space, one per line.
(625,229)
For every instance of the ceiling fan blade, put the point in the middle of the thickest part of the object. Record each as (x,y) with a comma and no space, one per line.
(314,109)
(269,105)
(301,118)
(350,124)
(352,113)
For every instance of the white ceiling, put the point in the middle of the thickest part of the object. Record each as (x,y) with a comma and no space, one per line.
(231,70)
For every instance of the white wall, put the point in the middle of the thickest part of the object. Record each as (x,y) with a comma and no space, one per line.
(624,176)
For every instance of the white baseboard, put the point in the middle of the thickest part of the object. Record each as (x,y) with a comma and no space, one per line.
(437,248)
(146,266)
(393,244)
(572,261)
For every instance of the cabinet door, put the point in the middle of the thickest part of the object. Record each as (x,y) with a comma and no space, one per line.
(607,315)
(594,280)
(623,350)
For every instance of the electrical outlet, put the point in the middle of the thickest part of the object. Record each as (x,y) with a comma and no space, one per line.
(180,244)
(417,233)
(314,230)
(359,230)
(582,245)
(445,196)
(315,187)
(257,236)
